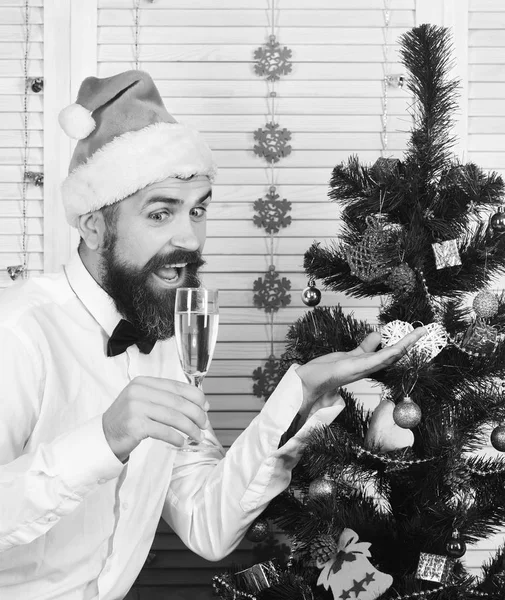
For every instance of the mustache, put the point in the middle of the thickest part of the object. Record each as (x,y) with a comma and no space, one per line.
(193,258)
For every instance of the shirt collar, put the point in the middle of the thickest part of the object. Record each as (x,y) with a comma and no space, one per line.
(96,300)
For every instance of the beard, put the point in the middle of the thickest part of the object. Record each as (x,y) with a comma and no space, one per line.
(149,309)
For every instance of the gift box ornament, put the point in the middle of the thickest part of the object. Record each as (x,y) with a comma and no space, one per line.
(435,567)
(446,254)
(258,577)
(350,574)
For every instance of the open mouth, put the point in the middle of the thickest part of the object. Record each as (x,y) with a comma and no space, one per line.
(171,274)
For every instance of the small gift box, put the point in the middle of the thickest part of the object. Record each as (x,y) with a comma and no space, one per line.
(446,254)
(258,577)
(434,567)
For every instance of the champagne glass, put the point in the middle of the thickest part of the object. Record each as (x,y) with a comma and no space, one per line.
(196,325)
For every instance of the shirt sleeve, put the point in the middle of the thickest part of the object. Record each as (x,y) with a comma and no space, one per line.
(213,498)
(38,488)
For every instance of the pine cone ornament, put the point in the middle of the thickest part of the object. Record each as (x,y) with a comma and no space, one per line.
(402,280)
(458,477)
(323,548)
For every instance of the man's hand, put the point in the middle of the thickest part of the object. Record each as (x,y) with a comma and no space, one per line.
(156,408)
(323,376)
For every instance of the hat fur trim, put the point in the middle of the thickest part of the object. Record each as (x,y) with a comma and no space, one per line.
(131,162)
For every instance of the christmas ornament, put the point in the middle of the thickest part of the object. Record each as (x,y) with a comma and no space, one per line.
(455,547)
(272,142)
(36,84)
(323,548)
(15,271)
(427,347)
(271,291)
(266,378)
(407,414)
(402,280)
(497,221)
(258,530)
(258,577)
(272,212)
(485,304)
(498,438)
(383,434)
(446,254)
(433,567)
(480,339)
(322,488)
(373,257)
(385,167)
(36,178)
(272,60)
(350,574)
(311,296)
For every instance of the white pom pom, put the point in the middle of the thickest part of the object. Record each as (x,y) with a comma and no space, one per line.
(76,121)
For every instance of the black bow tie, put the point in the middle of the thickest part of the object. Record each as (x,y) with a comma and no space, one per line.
(123,336)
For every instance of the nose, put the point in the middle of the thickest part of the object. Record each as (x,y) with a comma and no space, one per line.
(186,238)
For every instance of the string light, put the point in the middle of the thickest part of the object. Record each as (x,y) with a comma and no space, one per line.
(16,271)
(136,33)
(386,77)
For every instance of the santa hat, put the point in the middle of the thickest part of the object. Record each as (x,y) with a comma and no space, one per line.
(127,140)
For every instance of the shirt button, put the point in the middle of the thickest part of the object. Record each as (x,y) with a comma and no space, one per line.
(51,518)
(125,505)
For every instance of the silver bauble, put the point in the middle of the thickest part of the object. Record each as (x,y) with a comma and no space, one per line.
(407,414)
(498,438)
(485,304)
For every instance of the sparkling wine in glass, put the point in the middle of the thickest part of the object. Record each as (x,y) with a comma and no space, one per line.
(196,326)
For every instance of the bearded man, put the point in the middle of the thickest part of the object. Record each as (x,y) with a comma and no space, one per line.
(94,404)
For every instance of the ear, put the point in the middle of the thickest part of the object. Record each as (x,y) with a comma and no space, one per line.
(91,227)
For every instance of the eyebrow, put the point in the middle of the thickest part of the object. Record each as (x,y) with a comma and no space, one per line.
(174,201)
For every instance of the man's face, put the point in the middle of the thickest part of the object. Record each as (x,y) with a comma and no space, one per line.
(153,248)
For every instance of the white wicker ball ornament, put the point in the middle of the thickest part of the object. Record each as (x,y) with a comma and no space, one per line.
(427,347)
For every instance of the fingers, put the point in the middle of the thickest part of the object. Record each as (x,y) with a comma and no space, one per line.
(389,355)
(171,419)
(369,344)
(179,388)
(180,404)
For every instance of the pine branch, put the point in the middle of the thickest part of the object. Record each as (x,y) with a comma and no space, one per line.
(426,53)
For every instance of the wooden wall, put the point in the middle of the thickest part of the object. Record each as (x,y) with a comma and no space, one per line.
(200,52)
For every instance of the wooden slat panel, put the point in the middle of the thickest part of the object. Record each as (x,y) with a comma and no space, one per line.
(163,17)
(12,68)
(228,53)
(253,4)
(486,20)
(15,33)
(356,36)
(14,15)
(15,139)
(239,71)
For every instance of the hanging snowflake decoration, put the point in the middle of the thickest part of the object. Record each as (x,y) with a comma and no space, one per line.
(272,60)
(272,212)
(266,378)
(272,142)
(271,291)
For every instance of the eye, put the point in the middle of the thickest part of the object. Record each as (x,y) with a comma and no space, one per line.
(198,212)
(159,215)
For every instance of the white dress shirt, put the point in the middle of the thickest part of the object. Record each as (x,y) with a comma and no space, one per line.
(75,522)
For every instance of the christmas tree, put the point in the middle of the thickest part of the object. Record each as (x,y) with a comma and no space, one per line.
(383,505)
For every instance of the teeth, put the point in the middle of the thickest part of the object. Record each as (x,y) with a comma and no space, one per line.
(177,266)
